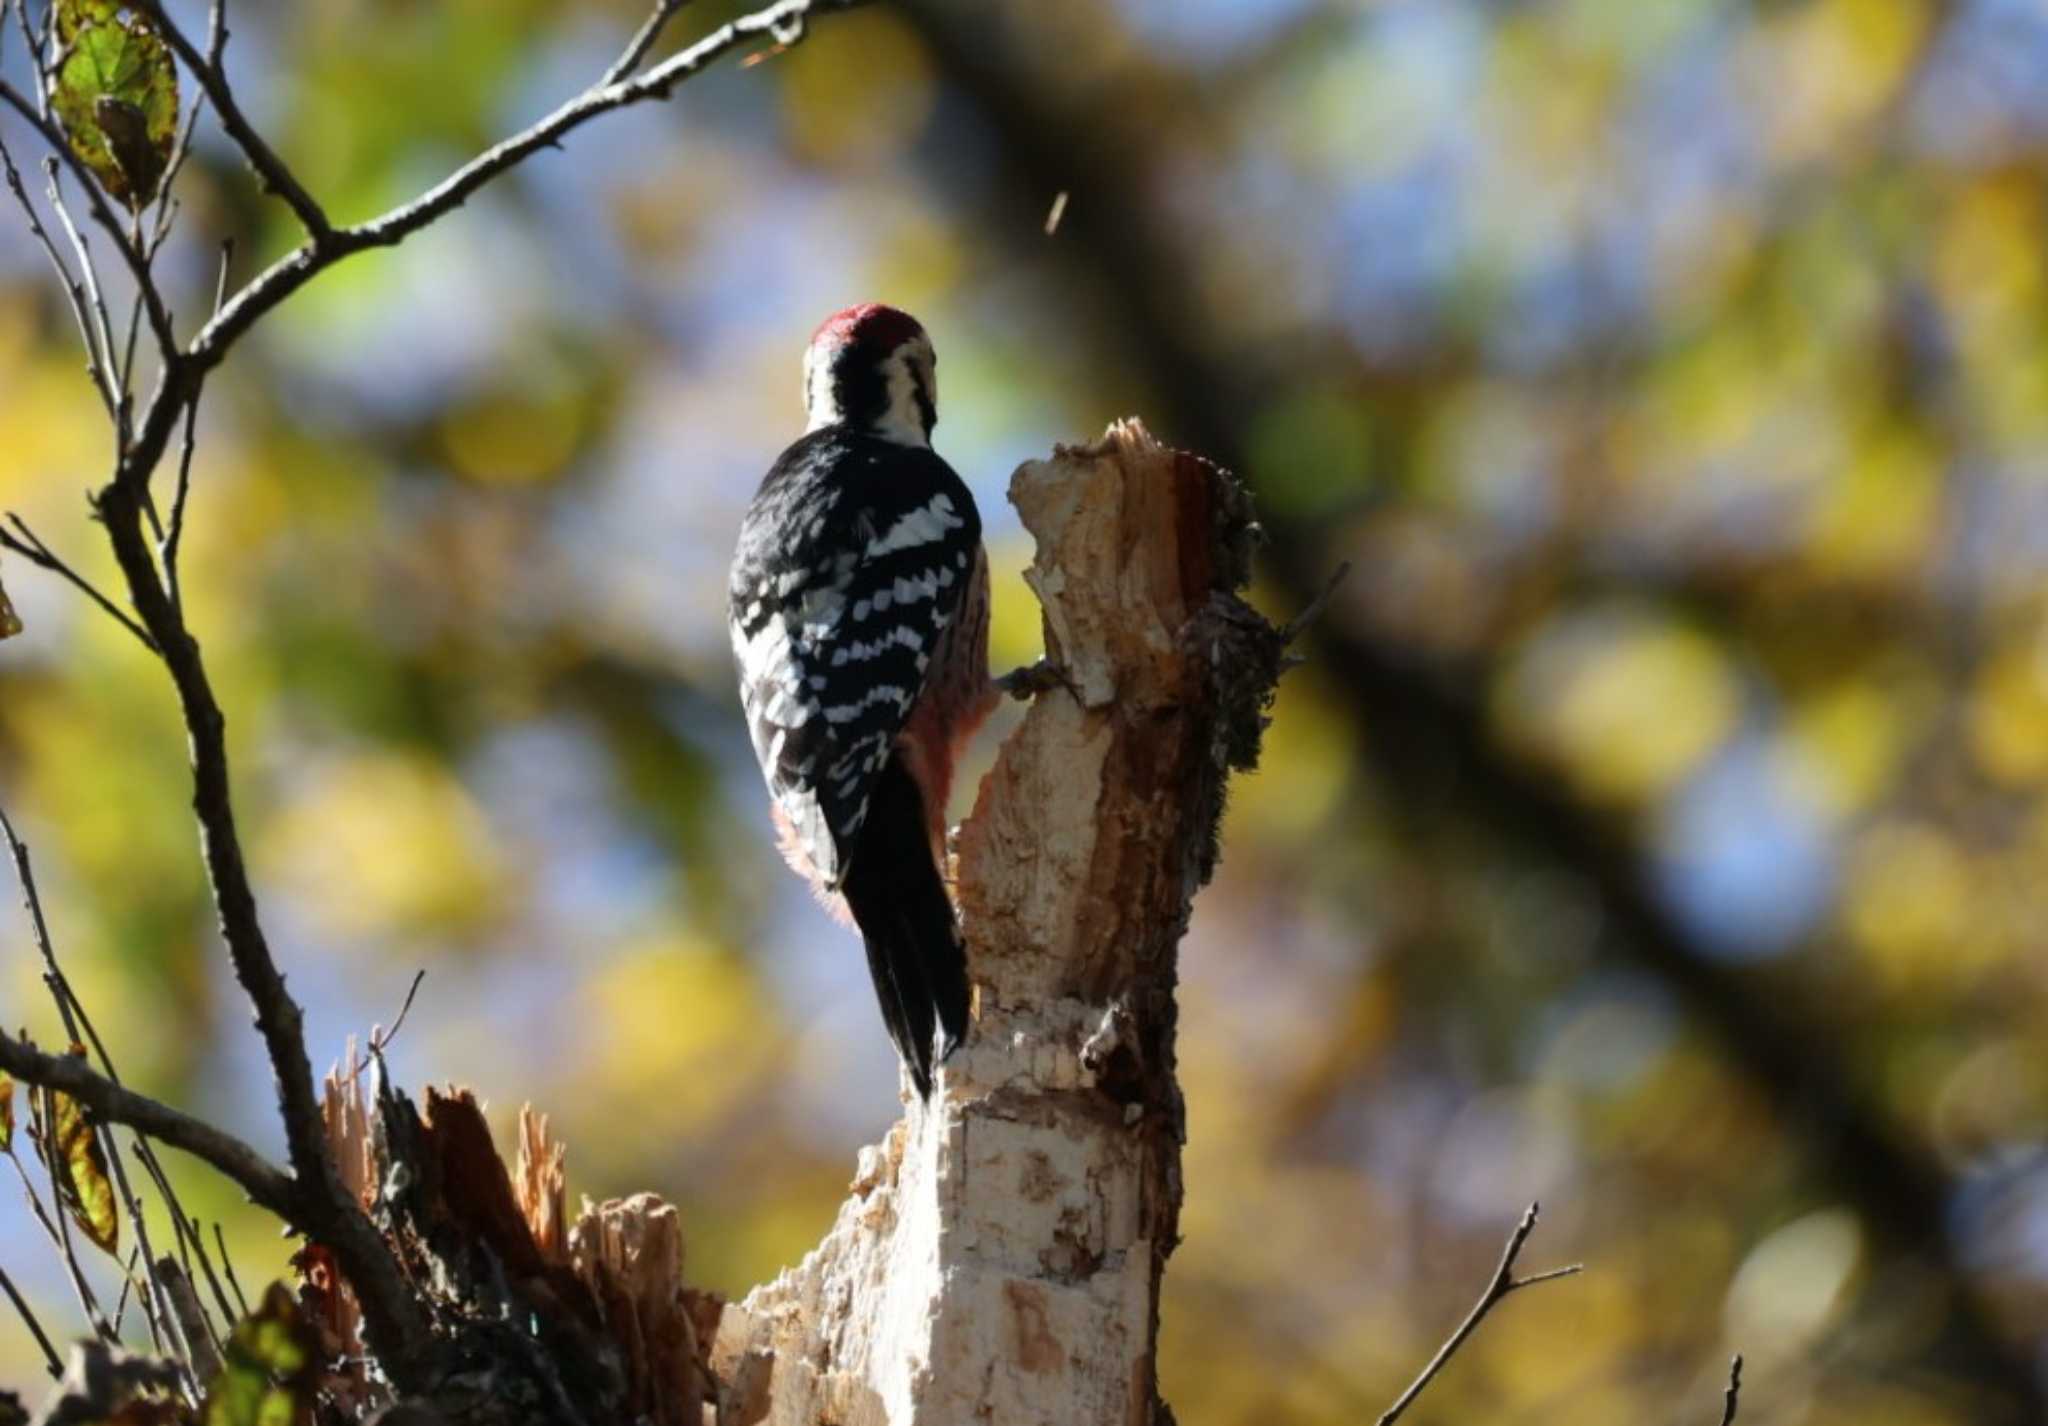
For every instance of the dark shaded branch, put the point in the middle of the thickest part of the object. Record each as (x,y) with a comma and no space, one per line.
(1504,1282)
(103,214)
(178,383)
(271,170)
(30,547)
(323,1208)
(312,1197)
(53,1363)
(1732,1397)
(266,1184)
(74,287)
(79,1029)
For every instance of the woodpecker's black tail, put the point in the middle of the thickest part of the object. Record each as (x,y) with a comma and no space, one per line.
(899,902)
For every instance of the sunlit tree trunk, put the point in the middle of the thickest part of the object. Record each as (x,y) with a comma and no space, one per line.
(1000,1256)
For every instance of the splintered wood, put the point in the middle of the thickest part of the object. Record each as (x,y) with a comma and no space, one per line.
(1000,1257)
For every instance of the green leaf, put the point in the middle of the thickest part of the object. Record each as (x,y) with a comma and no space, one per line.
(270,1365)
(71,1150)
(116,92)
(72,14)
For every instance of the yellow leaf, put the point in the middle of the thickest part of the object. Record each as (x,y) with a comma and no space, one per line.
(6,1113)
(78,1168)
(10,622)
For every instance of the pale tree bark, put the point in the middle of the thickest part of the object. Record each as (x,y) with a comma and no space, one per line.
(1000,1257)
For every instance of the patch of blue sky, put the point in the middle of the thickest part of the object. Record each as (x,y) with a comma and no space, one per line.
(1745,856)
(1983,96)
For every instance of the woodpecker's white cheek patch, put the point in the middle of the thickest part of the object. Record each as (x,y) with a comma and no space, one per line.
(903,420)
(921,526)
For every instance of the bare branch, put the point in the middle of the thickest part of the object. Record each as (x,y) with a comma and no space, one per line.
(643,40)
(78,1024)
(103,214)
(31,548)
(89,274)
(311,1196)
(51,1360)
(267,1185)
(1294,627)
(166,206)
(784,21)
(56,1227)
(276,177)
(321,1207)
(74,289)
(1504,1282)
(172,543)
(1733,1395)
(78,1027)
(227,1265)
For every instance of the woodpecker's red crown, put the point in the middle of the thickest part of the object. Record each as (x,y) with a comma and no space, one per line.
(872,367)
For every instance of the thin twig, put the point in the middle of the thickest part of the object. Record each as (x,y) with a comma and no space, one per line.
(643,40)
(89,274)
(1504,1282)
(1733,1395)
(381,1038)
(785,20)
(103,214)
(59,1217)
(51,1361)
(31,548)
(174,541)
(312,1197)
(126,418)
(227,1265)
(74,290)
(188,1231)
(77,1026)
(37,52)
(1294,627)
(267,1185)
(169,546)
(127,1290)
(271,170)
(166,209)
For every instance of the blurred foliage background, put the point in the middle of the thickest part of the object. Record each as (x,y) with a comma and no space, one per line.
(1658,830)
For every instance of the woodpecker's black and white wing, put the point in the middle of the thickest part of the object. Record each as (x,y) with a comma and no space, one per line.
(852,561)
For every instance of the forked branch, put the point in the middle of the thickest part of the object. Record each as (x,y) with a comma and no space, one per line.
(309,1195)
(1504,1282)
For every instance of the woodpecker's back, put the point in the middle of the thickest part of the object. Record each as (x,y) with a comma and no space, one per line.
(859,615)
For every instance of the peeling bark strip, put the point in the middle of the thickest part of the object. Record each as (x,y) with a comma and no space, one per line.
(1000,1258)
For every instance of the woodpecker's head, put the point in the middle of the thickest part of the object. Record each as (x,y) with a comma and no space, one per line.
(871,367)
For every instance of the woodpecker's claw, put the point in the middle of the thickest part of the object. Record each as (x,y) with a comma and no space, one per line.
(1028,682)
